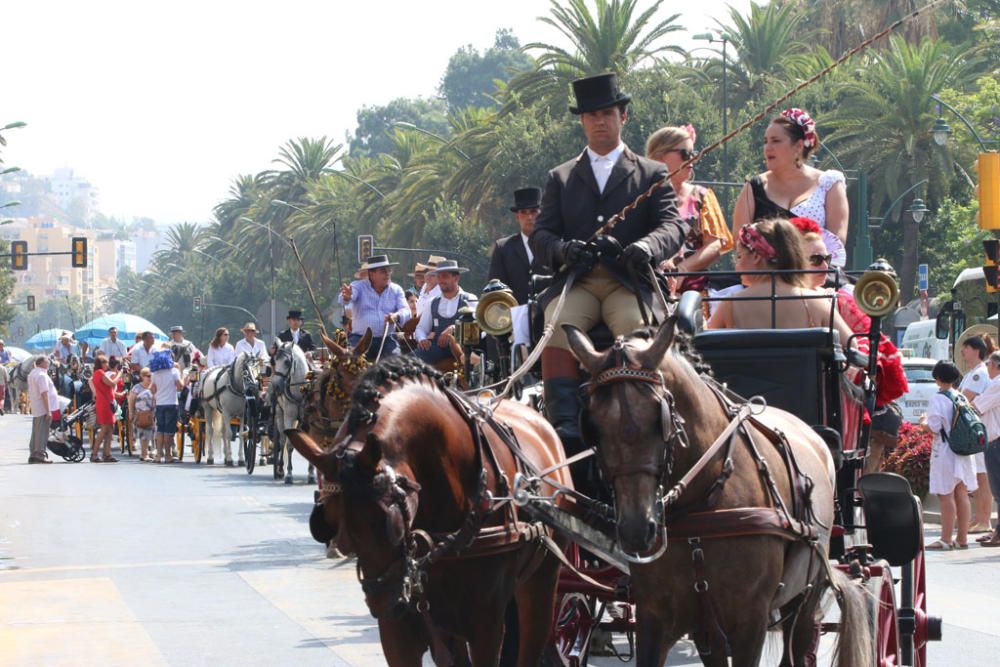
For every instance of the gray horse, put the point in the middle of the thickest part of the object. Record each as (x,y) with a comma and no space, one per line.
(288,390)
(222,395)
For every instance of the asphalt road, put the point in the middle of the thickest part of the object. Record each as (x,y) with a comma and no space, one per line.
(144,564)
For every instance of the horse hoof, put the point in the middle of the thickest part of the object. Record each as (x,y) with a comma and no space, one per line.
(262,462)
(241,463)
(229,463)
(311,479)
(288,480)
(210,462)
(332,551)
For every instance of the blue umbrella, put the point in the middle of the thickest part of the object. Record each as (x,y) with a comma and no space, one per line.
(17,354)
(95,331)
(45,340)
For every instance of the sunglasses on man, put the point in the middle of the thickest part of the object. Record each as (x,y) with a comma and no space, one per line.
(820,260)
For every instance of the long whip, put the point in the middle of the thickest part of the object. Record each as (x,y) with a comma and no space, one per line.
(618,217)
(305,277)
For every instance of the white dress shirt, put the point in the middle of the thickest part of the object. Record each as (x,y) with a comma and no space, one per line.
(220,356)
(527,248)
(988,405)
(446,308)
(603,164)
(112,348)
(425,298)
(258,349)
(141,356)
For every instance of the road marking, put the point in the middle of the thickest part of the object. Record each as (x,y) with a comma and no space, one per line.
(55,622)
(111,566)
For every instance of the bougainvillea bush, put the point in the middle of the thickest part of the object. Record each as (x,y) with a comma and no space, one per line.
(912,457)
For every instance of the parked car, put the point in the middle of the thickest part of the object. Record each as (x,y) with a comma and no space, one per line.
(922,386)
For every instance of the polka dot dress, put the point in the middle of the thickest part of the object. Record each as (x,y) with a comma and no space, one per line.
(815,208)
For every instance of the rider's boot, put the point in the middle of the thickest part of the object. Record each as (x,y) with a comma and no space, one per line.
(561,375)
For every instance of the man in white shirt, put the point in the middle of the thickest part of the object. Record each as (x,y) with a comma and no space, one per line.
(111,346)
(988,405)
(430,290)
(40,393)
(974,351)
(142,353)
(435,334)
(252,345)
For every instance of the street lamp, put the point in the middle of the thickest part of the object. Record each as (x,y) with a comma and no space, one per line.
(411,126)
(918,210)
(333,222)
(941,130)
(725,39)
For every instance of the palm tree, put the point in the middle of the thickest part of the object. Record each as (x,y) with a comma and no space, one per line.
(883,123)
(182,240)
(615,37)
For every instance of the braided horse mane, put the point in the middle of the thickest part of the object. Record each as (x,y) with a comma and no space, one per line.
(386,373)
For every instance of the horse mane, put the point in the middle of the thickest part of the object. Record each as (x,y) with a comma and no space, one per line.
(388,372)
(683,347)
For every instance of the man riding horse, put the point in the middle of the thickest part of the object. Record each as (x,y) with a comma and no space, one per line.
(580,196)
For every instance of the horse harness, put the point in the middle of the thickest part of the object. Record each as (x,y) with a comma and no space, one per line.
(795,523)
(406,577)
(231,385)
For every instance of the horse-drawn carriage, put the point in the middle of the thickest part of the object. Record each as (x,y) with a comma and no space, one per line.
(718,510)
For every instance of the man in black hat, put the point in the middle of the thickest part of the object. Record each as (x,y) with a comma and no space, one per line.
(436,331)
(511,260)
(295,333)
(378,304)
(580,196)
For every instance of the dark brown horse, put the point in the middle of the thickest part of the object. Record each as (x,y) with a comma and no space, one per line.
(727,571)
(438,559)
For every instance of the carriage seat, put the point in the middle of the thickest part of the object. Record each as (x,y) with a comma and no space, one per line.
(788,367)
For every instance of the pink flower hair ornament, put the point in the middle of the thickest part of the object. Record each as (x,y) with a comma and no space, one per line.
(689,128)
(804,121)
(754,241)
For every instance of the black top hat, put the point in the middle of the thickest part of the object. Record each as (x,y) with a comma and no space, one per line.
(597,92)
(294,314)
(378,261)
(527,198)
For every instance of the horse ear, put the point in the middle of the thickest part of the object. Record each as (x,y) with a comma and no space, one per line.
(325,462)
(581,347)
(363,344)
(331,345)
(411,325)
(653,355)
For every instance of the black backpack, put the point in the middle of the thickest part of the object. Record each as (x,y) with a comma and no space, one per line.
(968,433)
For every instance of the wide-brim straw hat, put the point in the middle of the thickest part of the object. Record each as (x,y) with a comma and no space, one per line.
(361,272)
(419,268)
(379,261)
(448,266)
(250,326)
(433,261)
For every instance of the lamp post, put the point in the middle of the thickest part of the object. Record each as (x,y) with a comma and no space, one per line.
(711,39)
(917,207)
(941,130)
(411,126)
(270,244)
(333,222)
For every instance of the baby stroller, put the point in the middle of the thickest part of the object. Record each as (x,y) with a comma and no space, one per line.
(62,441)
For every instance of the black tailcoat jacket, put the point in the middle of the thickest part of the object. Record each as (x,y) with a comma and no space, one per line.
(573,207)
(509,264)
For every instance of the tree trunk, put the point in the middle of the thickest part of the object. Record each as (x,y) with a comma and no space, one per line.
(911,247)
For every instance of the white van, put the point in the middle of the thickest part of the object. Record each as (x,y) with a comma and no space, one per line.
(919,338)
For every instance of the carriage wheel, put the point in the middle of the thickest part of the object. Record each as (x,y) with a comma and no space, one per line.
(572,628)
(882,615)
(248,429)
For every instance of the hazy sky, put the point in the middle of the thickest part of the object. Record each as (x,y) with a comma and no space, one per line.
(161,106)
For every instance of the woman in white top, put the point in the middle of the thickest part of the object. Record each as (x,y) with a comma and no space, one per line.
(952,476)
(791,188)
(220,352)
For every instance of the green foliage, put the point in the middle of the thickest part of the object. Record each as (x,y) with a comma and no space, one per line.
(951,242)
(375,123)
(471,79)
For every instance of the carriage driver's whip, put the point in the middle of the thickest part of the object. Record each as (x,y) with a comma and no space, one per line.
(305,277)
(618,217)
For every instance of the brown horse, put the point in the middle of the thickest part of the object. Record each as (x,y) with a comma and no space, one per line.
(438,559)
(727,571)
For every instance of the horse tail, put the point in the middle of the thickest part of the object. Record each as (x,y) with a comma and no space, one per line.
(855,642)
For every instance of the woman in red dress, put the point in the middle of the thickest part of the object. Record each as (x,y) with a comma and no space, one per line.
(105,383)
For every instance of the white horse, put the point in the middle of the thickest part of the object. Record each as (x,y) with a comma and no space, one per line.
(19,381)
(222,395)
(288,386)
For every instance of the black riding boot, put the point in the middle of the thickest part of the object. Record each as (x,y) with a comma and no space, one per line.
(562,409)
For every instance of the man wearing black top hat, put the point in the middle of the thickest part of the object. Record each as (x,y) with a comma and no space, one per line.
(580,196)
(511,260)
(295,333)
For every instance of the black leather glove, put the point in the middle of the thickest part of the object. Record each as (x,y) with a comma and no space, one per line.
(577,254)
(608,246)
(638,256)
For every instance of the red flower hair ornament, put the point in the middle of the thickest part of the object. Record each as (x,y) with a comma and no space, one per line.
(804,121)
(805,225)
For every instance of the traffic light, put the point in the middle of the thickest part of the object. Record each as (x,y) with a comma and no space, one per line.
(31,302)
(366,247)
(197,304)
(991,269)
(79,252)
(19,255)
(988,190)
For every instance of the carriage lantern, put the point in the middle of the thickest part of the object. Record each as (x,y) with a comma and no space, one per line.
(466,327)
(877,293)
(493,314)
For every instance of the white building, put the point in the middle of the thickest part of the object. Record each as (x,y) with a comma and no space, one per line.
(72,193)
